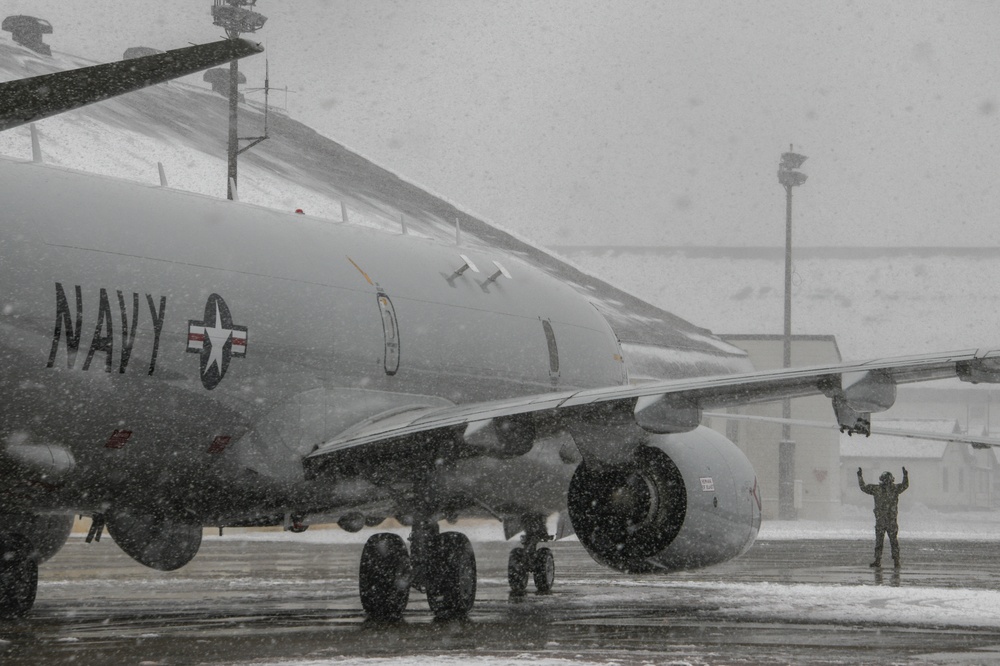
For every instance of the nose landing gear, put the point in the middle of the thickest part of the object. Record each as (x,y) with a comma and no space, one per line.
(528,559)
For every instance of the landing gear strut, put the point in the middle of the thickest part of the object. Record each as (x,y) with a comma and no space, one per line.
(529,559)
(18,576)
(441,565)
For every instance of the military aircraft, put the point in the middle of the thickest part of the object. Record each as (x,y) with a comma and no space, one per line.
(172,362)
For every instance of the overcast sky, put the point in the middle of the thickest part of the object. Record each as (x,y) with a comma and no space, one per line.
(636,122)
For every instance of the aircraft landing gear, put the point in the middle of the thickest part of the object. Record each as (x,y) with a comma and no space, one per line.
(384,578)
(451,591)
(18,576)
(441,565)
(528,559)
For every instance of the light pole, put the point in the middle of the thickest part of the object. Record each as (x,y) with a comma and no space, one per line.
(236,17)
(789,177)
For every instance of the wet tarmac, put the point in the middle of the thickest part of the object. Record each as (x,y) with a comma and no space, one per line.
(262,601)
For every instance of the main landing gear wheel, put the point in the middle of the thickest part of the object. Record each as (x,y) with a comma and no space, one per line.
(384,577)
(452,591)
(517,571)
(543,570)
(18,576)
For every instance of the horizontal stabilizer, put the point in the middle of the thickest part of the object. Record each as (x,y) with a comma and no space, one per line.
(27,100)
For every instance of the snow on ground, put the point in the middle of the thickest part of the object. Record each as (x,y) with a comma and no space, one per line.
(847,605)
(850,604)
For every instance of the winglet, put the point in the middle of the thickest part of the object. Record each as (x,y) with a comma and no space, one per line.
(26,100)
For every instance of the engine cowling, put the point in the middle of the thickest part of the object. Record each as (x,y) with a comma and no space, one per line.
(684,501)
(46,532)
(156,541)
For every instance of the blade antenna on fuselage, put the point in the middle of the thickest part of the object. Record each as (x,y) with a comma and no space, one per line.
(26,100)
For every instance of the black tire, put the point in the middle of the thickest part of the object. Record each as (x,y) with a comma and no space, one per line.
(543,570)
(384,576)
(452,591)
(18,576)
(517,570)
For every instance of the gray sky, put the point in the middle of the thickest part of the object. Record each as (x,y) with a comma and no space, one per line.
(638,122)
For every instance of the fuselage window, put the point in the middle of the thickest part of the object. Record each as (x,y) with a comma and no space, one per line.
(391,331)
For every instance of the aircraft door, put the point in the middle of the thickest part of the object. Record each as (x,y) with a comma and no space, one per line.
(391,331)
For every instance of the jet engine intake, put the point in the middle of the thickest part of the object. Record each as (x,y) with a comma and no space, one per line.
(155,541)
(685,501)
(625,514)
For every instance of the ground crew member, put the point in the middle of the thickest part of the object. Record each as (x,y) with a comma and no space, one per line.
(886,495)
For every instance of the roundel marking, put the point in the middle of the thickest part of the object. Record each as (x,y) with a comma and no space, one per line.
(217,340)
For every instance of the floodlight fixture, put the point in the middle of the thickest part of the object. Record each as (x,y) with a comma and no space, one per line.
(237,17)
(787,174)
(27,31)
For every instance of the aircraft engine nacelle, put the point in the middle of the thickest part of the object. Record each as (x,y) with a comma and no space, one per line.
(153,540)
(687,500)
(46,532)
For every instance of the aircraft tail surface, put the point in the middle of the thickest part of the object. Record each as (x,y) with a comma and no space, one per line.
(27,100)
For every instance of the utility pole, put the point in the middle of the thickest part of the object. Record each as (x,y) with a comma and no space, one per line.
(234,142)
(236,17)
(789,177)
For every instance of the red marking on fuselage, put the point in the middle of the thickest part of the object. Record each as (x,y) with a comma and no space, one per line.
(118,439)
(219,444)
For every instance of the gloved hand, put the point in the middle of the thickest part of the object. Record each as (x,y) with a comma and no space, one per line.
(905,472)
(859,471)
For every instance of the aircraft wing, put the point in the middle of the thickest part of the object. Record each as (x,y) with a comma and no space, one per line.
(856,390)
(37,97)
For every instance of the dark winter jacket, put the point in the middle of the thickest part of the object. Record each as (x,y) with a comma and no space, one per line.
(886,496)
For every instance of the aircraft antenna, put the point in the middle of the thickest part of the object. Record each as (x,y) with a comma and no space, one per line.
(254,140)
